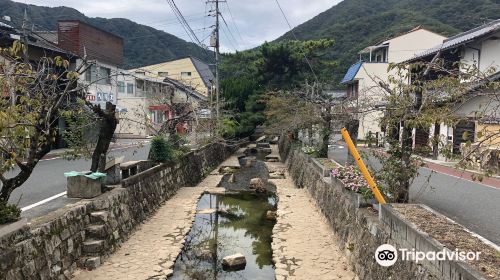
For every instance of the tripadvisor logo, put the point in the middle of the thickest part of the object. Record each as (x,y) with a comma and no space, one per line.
(387,255)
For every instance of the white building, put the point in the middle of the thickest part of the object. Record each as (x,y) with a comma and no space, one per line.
(476,49)
(362,77)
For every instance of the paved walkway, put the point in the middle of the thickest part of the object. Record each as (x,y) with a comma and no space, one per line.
(304,246)
(151,250)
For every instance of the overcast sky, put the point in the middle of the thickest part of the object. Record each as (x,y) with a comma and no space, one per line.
(256,20)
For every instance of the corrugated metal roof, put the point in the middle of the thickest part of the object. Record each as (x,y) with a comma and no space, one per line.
(351,73)
(461,38)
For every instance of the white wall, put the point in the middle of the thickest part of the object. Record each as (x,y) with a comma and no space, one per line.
(490,54)
(370,95)
(98,92)
(406,46)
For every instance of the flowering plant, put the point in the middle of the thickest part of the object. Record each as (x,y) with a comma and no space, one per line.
(351,178)
(309,150)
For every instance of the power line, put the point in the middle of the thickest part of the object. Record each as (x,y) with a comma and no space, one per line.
(235,24)
(229,30)
(184,23)
(229,40)
(293,34)
(187,28)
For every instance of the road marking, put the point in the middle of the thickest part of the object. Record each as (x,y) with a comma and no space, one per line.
(462,178)
(42,201)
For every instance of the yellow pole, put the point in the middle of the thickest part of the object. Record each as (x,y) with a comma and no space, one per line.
(362,166)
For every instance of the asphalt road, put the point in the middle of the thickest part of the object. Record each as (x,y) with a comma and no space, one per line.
(47,181)
(472,204)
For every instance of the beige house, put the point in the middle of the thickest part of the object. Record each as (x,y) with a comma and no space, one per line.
(190,71)
(146,103)
(362,77)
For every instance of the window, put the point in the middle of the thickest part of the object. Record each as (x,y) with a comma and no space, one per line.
(185,74)
(139,84)
(130,88)
(104,76)
(140,73)
(353,90)
(91,74)
(121,87)
(163,74)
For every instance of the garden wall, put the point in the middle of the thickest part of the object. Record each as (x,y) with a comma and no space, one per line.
(86,232)
(362,230)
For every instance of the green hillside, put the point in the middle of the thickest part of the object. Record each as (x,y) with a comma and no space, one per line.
(355,24)
(143,45)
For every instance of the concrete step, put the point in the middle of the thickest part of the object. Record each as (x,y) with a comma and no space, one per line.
(93,246)
(99,217)
(96,231)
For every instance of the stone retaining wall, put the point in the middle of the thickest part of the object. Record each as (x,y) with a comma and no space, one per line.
(361,231)
(52,246)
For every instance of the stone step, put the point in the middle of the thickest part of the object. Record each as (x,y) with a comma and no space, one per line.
(96,231)
(93,246)
(90,262)
(272,158)
(263,145)
(99,217)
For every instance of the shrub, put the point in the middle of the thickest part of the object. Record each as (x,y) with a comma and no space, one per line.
(309,150)
(9,213)
(161,150)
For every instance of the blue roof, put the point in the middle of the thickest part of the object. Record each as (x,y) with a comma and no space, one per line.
(351,73)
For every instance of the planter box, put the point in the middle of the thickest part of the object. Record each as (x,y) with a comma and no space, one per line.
(83,187)
(357,199)
(324,171)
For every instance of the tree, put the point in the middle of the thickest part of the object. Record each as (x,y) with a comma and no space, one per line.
(273,67)
(435,92)
(32,99)
(35,96)
(301,109)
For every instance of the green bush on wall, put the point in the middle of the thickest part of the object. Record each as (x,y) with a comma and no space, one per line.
(9,213)
(161,150)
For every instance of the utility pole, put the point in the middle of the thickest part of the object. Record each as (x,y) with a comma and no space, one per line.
(216,44)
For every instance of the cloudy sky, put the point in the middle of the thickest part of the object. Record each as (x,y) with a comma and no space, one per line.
(251,22)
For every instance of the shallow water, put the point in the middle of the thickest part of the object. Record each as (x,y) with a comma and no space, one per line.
(236,224)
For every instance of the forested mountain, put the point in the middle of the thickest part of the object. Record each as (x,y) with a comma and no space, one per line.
(143,45)
(355,24)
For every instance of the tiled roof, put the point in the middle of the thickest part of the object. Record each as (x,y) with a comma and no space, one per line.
(461,38)
(204,70)
(351,73)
